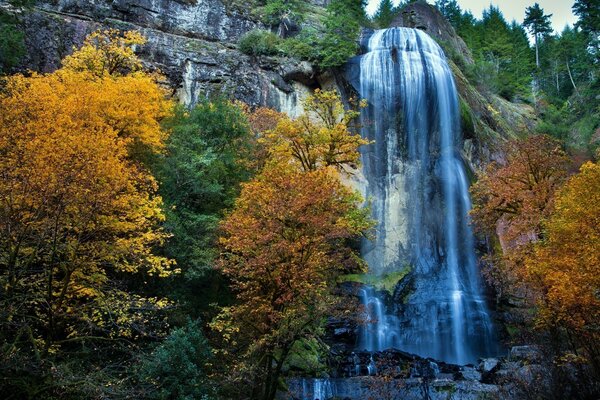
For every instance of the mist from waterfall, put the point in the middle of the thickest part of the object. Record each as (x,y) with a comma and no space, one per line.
(419,195)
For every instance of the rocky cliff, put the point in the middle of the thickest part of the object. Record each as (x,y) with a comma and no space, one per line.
(192,42)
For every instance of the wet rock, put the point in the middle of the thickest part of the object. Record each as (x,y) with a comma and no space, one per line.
(488,365)
(470,374)
(527,353)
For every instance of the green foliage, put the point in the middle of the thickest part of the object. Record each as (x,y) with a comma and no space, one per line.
(385,14)
(177,369)
(260,43)
(588,12)
(503,58)
(277,11)
(199,178)
(12,46)
(536,21)
(451,11)
(342,27)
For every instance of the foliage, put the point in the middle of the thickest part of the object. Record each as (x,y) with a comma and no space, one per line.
(177,369)
(588,12)
(207,155)
(12,46)
(513,198)
(283,243)
(319,138)
(385,14)
(342,27)
(78,211)
(520,190)
(276,12)
(566,264)
(260,43)
(538,24)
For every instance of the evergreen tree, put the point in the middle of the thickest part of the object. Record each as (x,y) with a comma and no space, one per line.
(588,12)
(538,25)
(385,14)
(451,11)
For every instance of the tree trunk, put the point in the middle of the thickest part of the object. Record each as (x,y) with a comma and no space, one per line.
(571,77)
(537,52)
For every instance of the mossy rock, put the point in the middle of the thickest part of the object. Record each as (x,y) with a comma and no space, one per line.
(385,282)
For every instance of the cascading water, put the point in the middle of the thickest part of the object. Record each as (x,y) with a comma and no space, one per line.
(419,196)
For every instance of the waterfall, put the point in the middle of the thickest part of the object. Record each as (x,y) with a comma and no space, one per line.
(419,196)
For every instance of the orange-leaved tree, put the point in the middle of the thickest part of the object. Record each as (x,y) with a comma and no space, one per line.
(566,265)
(512,198)
(283,245)
(78,209)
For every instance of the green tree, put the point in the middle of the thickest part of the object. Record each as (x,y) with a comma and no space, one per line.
(206,158)
(588,12)
(385,14)
(178,368)
(538,24)
(342,27)
(451,11)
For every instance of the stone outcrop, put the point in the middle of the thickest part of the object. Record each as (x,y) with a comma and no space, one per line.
(398,375)
(193,43)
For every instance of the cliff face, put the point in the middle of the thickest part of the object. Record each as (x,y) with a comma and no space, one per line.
(193,42)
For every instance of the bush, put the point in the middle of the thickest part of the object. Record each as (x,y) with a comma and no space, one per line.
(176,369)
(260,43)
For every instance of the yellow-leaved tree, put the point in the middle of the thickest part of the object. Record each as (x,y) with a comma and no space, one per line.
(78,209)
(566,266)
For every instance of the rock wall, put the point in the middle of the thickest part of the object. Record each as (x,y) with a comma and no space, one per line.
(192,42)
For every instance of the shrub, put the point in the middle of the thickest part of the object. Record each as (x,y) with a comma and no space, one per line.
(260,43)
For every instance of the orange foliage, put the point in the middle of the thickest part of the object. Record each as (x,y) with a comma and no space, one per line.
(286,241)
(566,265)
(519,192)
(512,199)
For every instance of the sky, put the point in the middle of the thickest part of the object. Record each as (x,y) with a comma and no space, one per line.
(513,9)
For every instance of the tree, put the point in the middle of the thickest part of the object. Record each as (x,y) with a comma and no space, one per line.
(385,14)
(178,368)
(538,25)
(566,265)
(588,12)
(342,27)
(513,198)
(451,11)
(283,245)
(79,211)
(209,153)
(319,138)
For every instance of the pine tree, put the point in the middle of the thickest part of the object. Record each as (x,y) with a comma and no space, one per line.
(538,25)
(385,14)
(451,11)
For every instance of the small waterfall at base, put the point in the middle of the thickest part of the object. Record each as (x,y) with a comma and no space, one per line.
(419,193)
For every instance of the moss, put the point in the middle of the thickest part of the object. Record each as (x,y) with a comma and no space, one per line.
(306,356)
(385,282)
(466,118)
